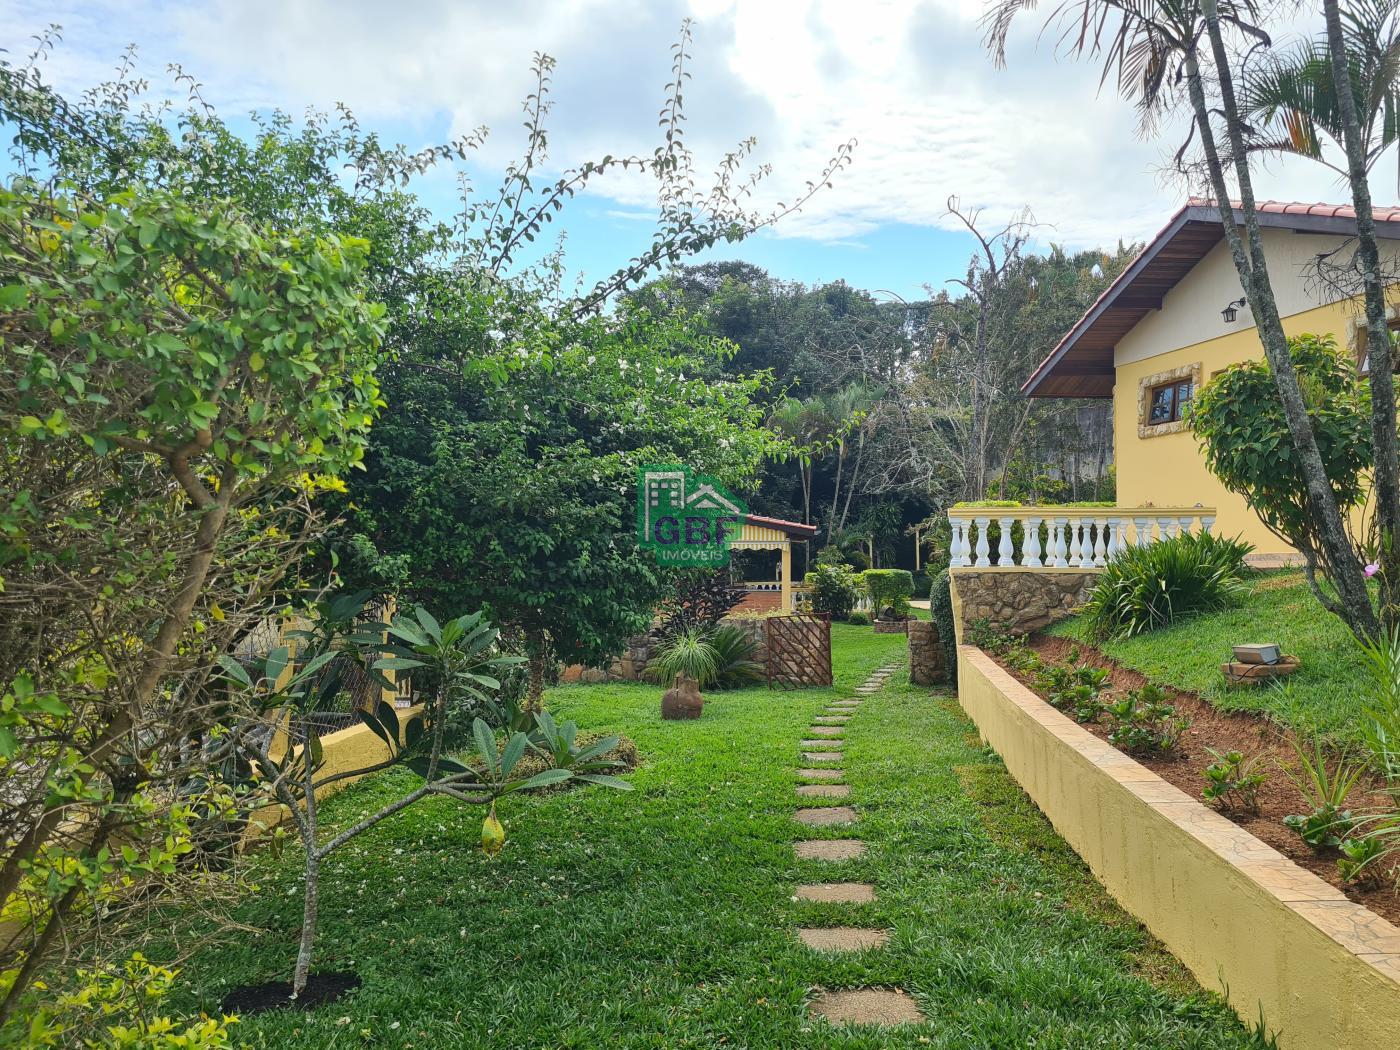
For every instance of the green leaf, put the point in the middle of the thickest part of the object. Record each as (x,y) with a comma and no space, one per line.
(397,663)
(544,779)
(486,745)
(13,296)
(514,749)
(603,780)
(9,743)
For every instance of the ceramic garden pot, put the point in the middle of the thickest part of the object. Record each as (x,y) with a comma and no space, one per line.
(683,699)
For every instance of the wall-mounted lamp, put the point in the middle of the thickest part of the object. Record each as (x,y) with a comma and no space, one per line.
(1232,311)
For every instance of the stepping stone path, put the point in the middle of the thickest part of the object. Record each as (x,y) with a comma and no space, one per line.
(821,816)
(882,1006)
(837,892)
(866,1006)
(823,790)
(842,938)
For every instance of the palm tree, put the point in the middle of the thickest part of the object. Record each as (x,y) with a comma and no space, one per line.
(1293,103)
(1344,90)
(1151,48)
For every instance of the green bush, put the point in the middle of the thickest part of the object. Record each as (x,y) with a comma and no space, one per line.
(889,588)
(1145,588)
(735,666)
(940,604)
(1240,424)
(719,659)
(858,619)
(922,582)
(835,588)
(689,653)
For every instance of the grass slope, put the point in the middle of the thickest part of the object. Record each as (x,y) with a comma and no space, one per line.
(1326,695)
(663,918)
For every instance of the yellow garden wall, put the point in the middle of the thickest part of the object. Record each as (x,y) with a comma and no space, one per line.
(1246,920)
(345,749)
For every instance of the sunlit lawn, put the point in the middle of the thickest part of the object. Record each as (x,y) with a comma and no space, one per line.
(663,917)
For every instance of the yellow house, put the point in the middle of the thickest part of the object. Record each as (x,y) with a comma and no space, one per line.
(1175,317)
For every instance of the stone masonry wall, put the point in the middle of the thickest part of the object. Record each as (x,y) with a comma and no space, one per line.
(926,654)
(1018,600)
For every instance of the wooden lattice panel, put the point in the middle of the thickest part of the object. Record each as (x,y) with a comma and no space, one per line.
(799,651)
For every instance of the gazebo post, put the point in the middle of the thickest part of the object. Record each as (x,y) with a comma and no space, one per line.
(786,550)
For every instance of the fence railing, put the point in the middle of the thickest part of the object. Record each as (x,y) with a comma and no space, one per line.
(1064,537)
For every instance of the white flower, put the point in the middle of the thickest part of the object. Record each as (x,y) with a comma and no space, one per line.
(496,335)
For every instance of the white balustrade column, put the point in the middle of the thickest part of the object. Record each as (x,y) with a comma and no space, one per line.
(1166,528)
(1075,524)
(1207,523)
(1186,524)
(983,524)
(1100,546)
(1058,553)
(1005,549)
(955,542)
(1115,537)
(1144,531)
(1030,549)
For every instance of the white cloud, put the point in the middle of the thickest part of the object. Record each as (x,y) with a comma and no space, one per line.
(908,78)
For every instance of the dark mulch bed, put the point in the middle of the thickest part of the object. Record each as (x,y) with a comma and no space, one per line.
(321,989)
(1251,735)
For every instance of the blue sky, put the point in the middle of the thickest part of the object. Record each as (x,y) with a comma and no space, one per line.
(907,78)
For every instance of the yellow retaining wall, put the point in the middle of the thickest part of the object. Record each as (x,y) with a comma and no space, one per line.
(345,749)
(1245,919)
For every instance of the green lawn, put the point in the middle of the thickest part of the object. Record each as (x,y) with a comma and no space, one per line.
(1326,695)
(663,917)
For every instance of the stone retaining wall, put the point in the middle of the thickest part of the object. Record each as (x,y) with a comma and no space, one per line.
(1018,600)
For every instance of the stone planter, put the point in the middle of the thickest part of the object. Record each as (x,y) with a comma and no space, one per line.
(682,700)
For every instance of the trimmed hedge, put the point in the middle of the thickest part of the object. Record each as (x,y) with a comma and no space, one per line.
(940,603)
(888,587)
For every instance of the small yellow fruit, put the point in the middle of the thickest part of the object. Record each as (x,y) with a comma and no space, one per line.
(493,835)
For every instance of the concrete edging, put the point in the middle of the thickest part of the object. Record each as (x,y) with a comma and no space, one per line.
(1244,919)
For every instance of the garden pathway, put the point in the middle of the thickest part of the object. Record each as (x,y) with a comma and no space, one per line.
(826,744)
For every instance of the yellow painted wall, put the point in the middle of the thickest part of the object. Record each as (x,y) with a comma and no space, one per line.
(1324,971)
(1169,469)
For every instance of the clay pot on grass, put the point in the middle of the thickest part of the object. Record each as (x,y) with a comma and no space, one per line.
(682,700)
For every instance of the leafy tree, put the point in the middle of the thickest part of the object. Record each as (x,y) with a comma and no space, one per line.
(540,533)
(176,384)
(1245,439)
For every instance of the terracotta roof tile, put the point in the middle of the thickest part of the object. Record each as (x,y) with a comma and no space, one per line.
(1327,211)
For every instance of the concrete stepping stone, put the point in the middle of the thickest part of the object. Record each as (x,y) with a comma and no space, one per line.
(843,705)
(876,1006)
(829,849)
(824,790)
(842,938)
(827,731)
(837,892)
(821,743)
(825,816)
(827,773)
(822,756)
(832,720)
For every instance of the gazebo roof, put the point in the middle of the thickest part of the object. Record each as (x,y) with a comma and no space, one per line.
(794,529)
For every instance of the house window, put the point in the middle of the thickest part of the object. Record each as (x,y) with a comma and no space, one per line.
(1363,349)
(1162,400)
(1167,402)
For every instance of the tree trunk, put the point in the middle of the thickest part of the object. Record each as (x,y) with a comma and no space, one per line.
(538,654)
(1386,472)
(311,899)
(1253,271)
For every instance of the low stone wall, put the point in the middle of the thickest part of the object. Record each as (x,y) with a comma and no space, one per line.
(927,656)
(891,626)
(755,627)
(1018,600)
(1246,920)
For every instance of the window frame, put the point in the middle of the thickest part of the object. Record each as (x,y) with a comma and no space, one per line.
(1148,387)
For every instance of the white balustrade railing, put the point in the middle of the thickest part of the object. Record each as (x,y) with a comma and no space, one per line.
(1073,537)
